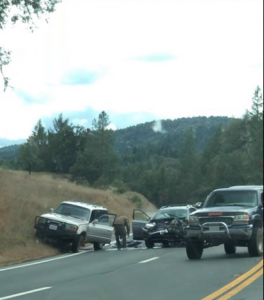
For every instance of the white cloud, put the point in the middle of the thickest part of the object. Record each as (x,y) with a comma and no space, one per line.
(217,48)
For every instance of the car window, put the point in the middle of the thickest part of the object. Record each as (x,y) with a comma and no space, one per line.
(171,213)
(73,211)
(106,219)
(233,198)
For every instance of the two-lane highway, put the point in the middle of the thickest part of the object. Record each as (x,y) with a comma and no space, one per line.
(134,274)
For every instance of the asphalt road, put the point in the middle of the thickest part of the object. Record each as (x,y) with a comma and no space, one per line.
(141,274)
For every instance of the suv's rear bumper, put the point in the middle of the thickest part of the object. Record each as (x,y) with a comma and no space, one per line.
(236,233)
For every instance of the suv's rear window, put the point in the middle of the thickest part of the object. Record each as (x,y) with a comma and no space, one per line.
(73,211)
(232,198)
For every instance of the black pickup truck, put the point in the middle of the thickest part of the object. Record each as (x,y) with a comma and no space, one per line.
(230,216)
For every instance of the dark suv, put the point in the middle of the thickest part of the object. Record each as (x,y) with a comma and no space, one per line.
(166,227)
(230,216)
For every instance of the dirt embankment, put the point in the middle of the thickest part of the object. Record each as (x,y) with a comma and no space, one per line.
(24,196)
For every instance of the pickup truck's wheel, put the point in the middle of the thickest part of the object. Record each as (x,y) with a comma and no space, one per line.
(149,244)
(230,248)
(78,243)
(194,249)
(98,246)
(255,246)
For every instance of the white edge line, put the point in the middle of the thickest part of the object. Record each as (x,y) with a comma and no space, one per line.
(25,293)
(39,262)
(148,260)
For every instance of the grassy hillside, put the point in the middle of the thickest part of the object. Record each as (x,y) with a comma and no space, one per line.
(23,197)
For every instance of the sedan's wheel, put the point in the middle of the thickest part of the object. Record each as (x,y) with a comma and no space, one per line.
(255,246)
(149,244)
(194,249)
(230,248)
(78,243)
(98,246)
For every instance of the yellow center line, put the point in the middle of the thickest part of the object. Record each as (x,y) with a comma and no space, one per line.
(234,283)
(242,286)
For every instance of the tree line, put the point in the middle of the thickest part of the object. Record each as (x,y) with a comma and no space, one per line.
(164,174)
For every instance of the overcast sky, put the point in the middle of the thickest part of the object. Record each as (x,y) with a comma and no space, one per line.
(138,60)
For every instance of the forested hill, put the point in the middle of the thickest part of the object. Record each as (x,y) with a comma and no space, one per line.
(166,137)
(9,153)
(167,161)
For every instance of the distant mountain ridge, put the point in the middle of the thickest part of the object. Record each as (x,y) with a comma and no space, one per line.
(164,137)
(6,142)
(168,135)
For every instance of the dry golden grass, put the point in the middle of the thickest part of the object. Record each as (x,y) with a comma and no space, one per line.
(24,196)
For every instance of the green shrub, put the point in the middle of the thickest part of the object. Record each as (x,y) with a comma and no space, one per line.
(136,200)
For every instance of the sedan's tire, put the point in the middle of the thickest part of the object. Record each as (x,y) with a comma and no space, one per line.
(78,243)
(194,249)
(149,244)
(230,248)
(98,246)
(255,246)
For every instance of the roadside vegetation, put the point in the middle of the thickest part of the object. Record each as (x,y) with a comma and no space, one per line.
(24,196)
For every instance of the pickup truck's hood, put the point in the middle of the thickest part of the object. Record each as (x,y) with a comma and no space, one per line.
(224,211)
(64,219)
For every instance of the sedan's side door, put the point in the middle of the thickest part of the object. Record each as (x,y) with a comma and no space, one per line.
(140,219)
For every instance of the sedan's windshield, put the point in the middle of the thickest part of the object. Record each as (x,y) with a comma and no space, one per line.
(232,198)
(171,213)
(73,211)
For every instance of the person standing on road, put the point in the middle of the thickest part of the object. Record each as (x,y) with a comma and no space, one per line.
(122,229)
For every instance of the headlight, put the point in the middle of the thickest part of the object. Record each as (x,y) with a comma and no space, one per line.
(40,220)
(149,225)
(194,221)
(242,219)
(71,227)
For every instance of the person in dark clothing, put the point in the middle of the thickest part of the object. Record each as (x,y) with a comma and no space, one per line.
(122,229)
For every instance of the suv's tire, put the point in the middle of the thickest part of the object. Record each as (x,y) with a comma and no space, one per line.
(38,235)
(78,243)
(255,246)
(149,244)
(194,249)
(230,248)
(98,246)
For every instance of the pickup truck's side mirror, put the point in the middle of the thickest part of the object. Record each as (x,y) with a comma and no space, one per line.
(198,204)
(95,222)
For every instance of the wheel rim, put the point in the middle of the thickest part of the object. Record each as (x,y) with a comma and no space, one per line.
(260,241)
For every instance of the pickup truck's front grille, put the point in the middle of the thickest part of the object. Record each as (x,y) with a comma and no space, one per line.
(227,220)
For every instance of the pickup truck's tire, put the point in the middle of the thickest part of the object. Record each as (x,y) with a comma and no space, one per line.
(78,243)
(230,248)
(194,249)
(149,244)
(255,246)
(98,246)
